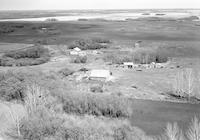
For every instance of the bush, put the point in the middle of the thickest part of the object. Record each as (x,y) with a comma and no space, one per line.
(79,59)
(11,86)
(101,40)
(66,72)
(119,58)
(84,44)
(40,125)
(41,121)
(84,69)
(96,88)
(184,84)
(98,105)
(95,128)
(31,56)
(173,132)
(33,52)
(141,56)
(193,132)
(51,19)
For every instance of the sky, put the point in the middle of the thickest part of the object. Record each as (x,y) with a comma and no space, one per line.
(96,4)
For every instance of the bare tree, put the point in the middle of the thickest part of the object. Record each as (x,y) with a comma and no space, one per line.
(184,83)
(172,132)
(190,81)
(179,84)
(15,119)
(193,132)
(35,98)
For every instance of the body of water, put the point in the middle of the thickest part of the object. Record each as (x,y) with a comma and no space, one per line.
(152,116)
(109,16)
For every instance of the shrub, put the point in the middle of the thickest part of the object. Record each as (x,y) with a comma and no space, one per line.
(173,132)
(51,20)
(85,44)
(84,69)
(66,72)
(101,128)
(119,58)
(41,122)
(33,52)
(7,61)
(193,132)
(183,85)
(101,40)
(11,86)
(82,19)
(30,56)
(96,88)
(141,56)
(40,125)
(98,105)
(79,59)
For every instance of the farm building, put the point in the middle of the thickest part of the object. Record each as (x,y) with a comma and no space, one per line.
(138,44)
(128,64)
(100,75)
(152,65)
(75,51)
(82,53)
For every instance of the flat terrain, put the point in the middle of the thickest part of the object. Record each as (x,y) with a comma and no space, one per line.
(180,40)
(121,31)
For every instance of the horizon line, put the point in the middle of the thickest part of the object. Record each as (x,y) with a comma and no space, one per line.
(100,9)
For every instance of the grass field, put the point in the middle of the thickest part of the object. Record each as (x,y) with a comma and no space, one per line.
(5,47)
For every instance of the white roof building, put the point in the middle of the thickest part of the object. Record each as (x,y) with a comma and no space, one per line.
(77,49)
(74,53)
(100,74)
(128,63)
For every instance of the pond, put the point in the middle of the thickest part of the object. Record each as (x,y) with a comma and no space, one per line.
(152,116)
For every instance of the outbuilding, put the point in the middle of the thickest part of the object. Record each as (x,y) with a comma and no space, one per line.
(128,64)
(100,75)
(138,44)
(75,51)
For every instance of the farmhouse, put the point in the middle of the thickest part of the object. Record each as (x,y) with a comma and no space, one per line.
(100,75)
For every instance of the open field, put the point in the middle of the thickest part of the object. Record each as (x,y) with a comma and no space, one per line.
(147,98)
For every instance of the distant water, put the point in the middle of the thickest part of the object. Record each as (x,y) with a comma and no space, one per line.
(107,16)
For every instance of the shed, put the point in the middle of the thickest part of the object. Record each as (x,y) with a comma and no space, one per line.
(128,64)
(74,52)
(138,44)
(100,74)
(82,53)
(77,49)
